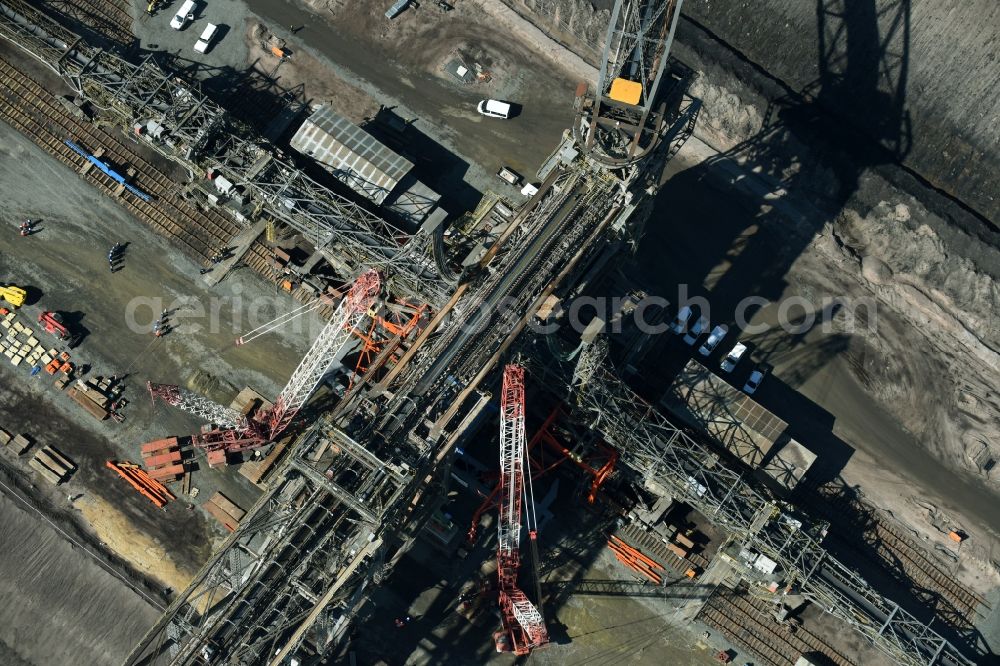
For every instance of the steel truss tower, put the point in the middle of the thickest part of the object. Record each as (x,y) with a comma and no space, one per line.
(269,424)
(622,123)
(522,622)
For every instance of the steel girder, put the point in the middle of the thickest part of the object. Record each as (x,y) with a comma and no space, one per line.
(638,39)
(659,452)
(207,410)
(334,223)
(223,576)
(288,550)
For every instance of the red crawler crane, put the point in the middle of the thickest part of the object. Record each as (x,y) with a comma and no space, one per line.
(268,424)
(523,625)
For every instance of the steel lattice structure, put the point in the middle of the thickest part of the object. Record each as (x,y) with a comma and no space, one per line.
(317,361)
(207,410)
(522,622)
(271,578)
(270,423)
(620,125)
(186,126)
(664,456)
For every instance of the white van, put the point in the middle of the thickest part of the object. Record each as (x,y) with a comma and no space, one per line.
(733,357)
(183,15)
(494,108)
(206,38)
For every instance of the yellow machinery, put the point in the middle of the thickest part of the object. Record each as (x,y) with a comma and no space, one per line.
(13,295)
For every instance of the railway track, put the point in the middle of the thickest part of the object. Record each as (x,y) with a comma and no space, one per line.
(28,107)
(888,546)
(111,18)
(749,622)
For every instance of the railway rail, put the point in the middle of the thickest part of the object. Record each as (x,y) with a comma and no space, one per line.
(749,622)
(887,546)
(30,108)
(110,18)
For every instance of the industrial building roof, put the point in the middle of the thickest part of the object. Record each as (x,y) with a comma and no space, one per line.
(351,154)
(730,416)
(789,465)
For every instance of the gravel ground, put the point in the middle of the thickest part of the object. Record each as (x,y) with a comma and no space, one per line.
(64,267)
(56,602)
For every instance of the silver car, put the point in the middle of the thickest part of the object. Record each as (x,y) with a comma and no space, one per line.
(695,331)
(755,378)
(681,320)
(718,333)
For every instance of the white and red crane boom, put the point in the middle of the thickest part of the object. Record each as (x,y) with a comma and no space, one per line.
(523,624)
(267,425)
(317,361)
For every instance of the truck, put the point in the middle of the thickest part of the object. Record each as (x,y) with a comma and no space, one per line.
(53,323)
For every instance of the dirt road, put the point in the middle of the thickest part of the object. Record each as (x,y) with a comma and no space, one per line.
(401,63)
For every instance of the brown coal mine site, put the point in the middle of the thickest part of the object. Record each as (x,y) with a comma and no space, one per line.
(499,331)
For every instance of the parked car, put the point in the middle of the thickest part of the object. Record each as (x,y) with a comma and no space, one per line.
(695,331)
(183,15)
(681,320)
(732,359)
(207,35)
(755,378)
(494,108)
(716,336)
(396,9)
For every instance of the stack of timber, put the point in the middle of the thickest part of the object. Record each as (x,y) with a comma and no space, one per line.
(225,511)
(19,344)
(20,444)
(148,487)
(52,465)
(163,459)
(91,399)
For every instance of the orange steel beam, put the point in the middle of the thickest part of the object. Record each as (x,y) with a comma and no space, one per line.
(638,553)
(124,473)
